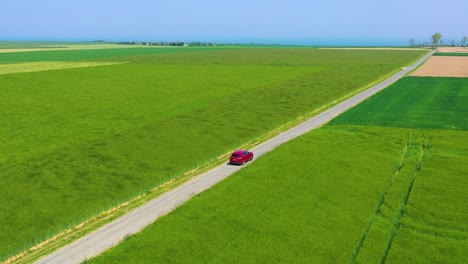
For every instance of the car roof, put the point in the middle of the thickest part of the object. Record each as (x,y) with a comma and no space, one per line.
(239,151)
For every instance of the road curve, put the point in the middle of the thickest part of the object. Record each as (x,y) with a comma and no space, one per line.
(111,234)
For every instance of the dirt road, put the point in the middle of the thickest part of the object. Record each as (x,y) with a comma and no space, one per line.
(112,233)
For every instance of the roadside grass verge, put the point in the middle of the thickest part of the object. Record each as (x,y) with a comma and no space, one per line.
(80,141)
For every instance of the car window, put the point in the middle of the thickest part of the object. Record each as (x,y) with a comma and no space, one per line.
(246,152)
(235,155)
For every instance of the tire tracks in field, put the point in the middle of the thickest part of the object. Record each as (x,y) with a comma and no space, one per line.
(414,143)
(378,208)
(396,223)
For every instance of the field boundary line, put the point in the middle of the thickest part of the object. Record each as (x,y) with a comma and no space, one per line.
(112,233)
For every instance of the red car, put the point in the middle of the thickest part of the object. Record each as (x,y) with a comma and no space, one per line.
(241,157)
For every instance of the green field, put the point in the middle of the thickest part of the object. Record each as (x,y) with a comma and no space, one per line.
(431,224)
(451,54)
(84,54)
(381,194)
(416,102)
(78,141)
(290,206)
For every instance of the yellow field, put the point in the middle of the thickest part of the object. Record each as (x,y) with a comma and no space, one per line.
(47,66)
(444,66)
(452,49)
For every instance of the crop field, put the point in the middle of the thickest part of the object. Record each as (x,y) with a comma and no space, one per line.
(416,102)
(13,47)
(443,66)
(382,194)
(456,54)
(431,223)
(452,49)
(279,209)
(84,54)
(9,45)
(78,141)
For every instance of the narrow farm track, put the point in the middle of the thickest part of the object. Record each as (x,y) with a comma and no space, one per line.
(111,234)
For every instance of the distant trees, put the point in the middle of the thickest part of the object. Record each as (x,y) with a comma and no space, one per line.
(154,43)
(197,43)
(412,41)
(176,43)
(435,39)
(463,41)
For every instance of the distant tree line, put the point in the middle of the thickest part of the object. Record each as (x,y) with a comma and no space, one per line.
(438,41)
(151,43)
(173,43)
(197,43)
(180,43)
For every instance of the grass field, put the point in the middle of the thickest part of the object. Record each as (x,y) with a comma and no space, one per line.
(83,54)
(451,53)
(279,209)
(78,141)
(381,194)
(430,225)
(282,57)
(413,104)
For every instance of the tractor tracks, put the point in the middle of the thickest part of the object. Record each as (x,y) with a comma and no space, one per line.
(375,243)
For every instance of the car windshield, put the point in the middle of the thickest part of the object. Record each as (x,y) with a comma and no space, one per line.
(235,155)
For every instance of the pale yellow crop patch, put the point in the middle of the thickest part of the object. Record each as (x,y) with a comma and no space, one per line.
(82,47)
(48,66)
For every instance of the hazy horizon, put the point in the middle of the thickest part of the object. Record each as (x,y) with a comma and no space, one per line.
(295,22)
(266,41)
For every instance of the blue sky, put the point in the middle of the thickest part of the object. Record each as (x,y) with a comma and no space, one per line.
(288,21)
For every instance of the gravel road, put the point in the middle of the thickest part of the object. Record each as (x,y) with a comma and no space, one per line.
(111,234)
